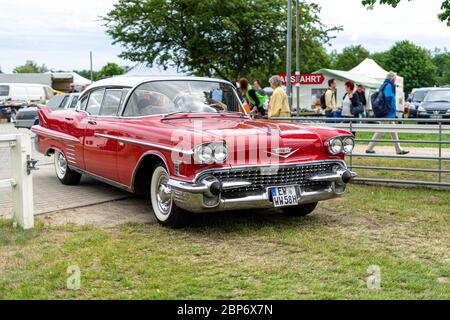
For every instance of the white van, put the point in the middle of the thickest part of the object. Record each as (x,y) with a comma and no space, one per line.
(10,93)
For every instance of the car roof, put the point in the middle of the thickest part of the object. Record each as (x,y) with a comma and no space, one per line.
(133,81)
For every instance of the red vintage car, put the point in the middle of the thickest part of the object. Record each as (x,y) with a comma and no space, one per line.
(189,145)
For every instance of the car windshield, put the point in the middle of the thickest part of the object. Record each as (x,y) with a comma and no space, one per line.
(182,96)
(438,96)
(419,96)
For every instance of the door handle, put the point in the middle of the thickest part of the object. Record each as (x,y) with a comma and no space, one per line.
(93,123)
(69,119)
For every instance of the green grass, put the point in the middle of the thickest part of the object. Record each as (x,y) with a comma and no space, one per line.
(409,136)
(406,232)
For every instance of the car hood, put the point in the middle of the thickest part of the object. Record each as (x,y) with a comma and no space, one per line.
(257,141)
(435,106)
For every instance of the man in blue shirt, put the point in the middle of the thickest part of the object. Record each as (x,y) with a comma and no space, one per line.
(390,94)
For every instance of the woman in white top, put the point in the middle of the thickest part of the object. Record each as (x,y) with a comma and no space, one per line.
(351,101)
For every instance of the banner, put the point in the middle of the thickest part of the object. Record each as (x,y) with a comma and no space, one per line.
(316,79)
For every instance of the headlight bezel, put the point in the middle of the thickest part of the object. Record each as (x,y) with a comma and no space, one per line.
(336,145)
(200,157)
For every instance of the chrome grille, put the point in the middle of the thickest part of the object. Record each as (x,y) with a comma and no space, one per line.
(262,178)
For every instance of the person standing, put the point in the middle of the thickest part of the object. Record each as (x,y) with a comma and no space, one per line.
(279,102)
(330,99)
(351,100)
(254,99)
(362,98)
(389,90)
(72,88)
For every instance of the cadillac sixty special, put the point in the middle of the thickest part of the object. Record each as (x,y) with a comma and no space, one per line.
(189,145)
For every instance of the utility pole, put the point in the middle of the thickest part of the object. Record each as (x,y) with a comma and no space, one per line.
(289,54)
(92,72)
(297,53)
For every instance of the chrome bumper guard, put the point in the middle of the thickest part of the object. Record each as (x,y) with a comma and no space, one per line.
(194,197)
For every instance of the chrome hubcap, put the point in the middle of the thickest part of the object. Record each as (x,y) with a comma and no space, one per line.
(61,165)
(164,196)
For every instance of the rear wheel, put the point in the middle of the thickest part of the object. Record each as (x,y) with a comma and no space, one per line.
(66,175)
(164,208)
(301,210)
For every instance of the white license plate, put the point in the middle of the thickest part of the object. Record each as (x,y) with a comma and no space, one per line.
(284,196)
(436,117)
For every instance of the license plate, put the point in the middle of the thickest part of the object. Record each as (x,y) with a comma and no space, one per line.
(436,117)
(284,196)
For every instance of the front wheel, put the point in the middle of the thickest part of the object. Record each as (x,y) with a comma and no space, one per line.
(166,212)
(301,210)
(66,175)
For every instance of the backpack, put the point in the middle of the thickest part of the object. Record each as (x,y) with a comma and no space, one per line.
(323,103)
(380,107)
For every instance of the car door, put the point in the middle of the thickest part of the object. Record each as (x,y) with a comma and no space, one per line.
(100,150)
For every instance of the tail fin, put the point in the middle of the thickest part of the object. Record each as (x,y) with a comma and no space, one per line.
(43,113)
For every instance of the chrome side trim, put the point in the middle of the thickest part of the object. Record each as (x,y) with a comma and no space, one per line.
(53,134)
(104,180)
(146,144)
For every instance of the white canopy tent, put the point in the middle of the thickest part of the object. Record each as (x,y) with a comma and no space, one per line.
(371,69)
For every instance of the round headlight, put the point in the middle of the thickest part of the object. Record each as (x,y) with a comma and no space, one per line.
(335,146)
(220,153)
(204,154)
(348,145)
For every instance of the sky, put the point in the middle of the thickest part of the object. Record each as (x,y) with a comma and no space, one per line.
(61,34)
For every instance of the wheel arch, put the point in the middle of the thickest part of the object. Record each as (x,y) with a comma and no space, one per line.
(142,174)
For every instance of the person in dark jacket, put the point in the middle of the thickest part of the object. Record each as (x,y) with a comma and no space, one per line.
(351,99)
(362,98)
(390,94)
(254,99)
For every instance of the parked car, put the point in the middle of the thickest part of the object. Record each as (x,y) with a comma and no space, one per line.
(14,96)
(436,104)
(25,92)
(416,98)
(28,116)
(189,145)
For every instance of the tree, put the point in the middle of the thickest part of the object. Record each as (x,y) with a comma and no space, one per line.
(212,38)
(109,70)
(444,15)
(380,58)
(350,57)
(411,62)
(441,59)
(31,67)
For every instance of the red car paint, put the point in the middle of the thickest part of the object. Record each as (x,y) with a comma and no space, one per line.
(76,133)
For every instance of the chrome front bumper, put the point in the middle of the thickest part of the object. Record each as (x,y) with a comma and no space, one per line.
(196,197)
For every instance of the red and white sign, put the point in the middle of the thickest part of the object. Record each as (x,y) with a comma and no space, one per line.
(304,79)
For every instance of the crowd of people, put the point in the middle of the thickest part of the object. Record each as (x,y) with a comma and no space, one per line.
(260,104)
(353,105)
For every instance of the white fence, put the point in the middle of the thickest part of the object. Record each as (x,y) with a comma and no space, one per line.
(21,181)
